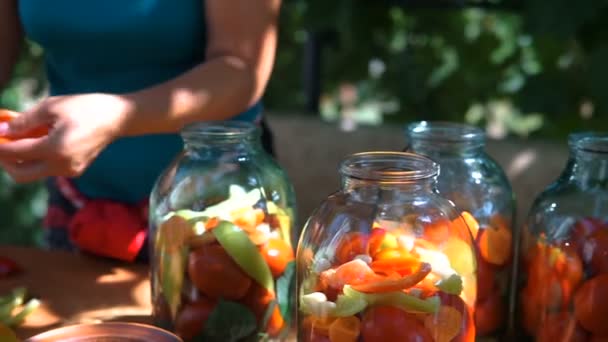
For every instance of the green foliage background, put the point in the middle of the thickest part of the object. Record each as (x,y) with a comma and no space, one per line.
(537,69)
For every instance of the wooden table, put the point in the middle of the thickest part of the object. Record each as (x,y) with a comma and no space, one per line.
(77,289)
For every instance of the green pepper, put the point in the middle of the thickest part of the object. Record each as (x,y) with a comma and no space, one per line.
(451,285)
(398,299)
(238,245)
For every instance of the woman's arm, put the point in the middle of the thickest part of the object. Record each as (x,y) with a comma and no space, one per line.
(242,38)
(11,38)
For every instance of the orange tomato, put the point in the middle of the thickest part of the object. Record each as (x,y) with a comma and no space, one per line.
(445,324)
(257,299)
(8,115)
(277,254)
(387,323)
(437,231)
(560,326)
(591,305)
(352,244)
(345,329)
(596,338)
(316,329)
(595,251)
(495,244)
(192,317)
(489,314)
(216,275)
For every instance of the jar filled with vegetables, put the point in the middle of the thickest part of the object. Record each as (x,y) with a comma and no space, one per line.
(386,258)
(480,189)
(564,289)
(222,260)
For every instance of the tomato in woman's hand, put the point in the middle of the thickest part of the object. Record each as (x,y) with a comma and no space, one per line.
(560,326)
(8,115)
(191,319)
(595,251)
(591,305)
(277,254)
(216,275)
(387,323)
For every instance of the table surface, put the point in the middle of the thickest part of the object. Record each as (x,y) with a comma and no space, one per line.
(77,289)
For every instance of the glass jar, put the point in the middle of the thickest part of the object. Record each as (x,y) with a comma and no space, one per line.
(386,258)
(222,262)
(480,189)
(564,289)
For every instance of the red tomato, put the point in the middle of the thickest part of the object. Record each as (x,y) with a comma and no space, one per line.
(192,317)
(583,228)
(560,326)
(215,274)
(591,305)
(486,279)
(595,251)
(352,244)
(467,332)
(277,254)
(257,299)
(489,314)
(387,323)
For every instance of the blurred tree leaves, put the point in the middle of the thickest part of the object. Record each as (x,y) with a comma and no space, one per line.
(546,59)
(22,206)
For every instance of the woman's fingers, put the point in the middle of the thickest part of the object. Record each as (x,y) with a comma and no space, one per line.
(26,172)
(25,149)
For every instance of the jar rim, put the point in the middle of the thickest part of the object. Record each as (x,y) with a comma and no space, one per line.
(444,131)
(593,142)
(221,129)
(388,166)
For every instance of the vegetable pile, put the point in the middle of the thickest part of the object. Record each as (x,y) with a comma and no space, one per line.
(226,272)
(565,296)
(391,285)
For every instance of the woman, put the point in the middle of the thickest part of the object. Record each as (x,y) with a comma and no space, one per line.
(125,77)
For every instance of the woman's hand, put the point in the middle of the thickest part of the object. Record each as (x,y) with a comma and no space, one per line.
(81,126)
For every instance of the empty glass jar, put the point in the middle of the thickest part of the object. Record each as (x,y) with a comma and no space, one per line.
(480,189)
(564,290)
(386,258)
(222,263)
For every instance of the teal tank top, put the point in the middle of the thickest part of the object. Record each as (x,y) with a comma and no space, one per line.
(119,46)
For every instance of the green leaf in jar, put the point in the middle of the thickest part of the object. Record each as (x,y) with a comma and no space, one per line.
(228,322)
(286,291)
(244,252)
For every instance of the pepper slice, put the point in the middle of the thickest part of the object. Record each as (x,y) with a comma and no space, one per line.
(244,252)
(390,284)
(398,299)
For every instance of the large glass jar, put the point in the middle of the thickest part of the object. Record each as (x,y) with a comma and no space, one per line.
(222,262)
(386,258)
(564,290)
(480,189)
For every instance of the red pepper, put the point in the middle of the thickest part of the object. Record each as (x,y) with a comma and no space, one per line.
(8,267)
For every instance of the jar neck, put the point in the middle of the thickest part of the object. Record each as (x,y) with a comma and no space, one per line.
(588,161)
(375,176)
(229,136)
(444,139)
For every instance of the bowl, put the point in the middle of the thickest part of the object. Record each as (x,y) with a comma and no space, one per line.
(106,332)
